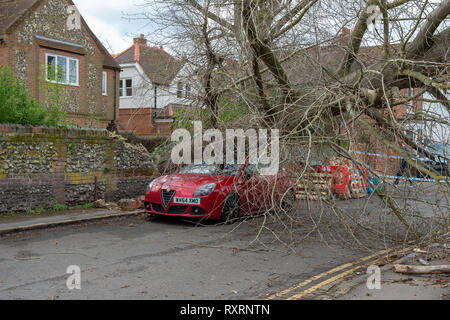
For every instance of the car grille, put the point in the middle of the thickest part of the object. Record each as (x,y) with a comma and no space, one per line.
(177,209)
(167,197)
(158,207)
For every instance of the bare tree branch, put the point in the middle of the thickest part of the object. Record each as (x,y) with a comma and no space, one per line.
(424,40)
(211,15)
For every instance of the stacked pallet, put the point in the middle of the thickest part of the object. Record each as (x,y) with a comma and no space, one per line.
(314,186)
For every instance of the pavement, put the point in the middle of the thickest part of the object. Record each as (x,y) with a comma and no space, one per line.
(9,225)
(393,285)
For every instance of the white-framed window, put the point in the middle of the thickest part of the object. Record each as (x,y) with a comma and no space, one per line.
(61,69)
(187,93)
(180,89)
(105,83)
(183,90)
(410,103)
(126,88)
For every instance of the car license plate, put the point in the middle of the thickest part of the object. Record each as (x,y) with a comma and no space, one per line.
(179,200)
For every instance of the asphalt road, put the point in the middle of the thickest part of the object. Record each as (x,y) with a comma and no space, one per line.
(168,259)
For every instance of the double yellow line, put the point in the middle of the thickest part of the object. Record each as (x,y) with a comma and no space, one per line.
(305,292)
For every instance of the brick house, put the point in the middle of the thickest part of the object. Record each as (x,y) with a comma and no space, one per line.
(38,37)
(153,84)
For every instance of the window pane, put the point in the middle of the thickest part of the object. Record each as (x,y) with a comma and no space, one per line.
(188,91)
(51,69)
(129,92)
(104,82)
(129,83)
(73,72)
(61,69)
(180,90)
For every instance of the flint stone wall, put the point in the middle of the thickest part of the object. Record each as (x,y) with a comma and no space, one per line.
(42,167)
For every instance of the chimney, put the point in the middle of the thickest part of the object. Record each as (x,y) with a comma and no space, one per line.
(346,31)
(141,40)
(161,48)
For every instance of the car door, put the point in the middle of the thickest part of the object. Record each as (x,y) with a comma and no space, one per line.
(259,191)
(250,187)
(268,187)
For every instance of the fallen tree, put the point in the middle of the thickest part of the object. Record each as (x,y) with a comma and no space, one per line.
(297,66)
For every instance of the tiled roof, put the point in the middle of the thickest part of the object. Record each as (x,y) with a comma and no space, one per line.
(312,65)
(12,10)
(158,65)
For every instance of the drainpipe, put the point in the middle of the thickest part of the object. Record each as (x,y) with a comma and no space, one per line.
(156,95)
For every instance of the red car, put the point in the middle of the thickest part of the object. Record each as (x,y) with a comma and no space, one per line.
(218,192)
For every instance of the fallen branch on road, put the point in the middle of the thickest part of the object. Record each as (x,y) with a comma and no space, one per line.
(400,268)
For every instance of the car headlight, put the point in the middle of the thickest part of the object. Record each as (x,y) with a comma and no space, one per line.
(205,190)
(149,187)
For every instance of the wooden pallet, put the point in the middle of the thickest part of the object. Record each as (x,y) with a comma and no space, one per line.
(323,193)
(359,195)
(344,196)
(313,188)
(309,197)
(316,187)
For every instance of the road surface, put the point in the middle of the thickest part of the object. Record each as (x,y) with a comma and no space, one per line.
(132,258)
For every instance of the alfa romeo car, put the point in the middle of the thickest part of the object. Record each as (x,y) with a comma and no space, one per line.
(218,192)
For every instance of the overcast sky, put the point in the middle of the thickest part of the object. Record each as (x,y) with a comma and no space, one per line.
(105,18)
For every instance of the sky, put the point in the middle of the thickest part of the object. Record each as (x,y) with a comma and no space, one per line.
(106,20)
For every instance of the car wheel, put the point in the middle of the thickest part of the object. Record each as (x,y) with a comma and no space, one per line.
(230,210)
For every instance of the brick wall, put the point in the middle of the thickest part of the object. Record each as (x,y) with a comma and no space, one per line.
(3,54)
(140,121)
(42,167)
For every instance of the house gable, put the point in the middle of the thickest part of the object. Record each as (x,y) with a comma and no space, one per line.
(159,66)
(54,27)
(57,19)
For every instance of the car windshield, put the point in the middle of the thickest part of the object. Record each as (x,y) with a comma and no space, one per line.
(214,169)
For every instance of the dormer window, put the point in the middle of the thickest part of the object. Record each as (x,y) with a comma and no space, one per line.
(188,91)
(183,90)
(61,69)
(126,88)
(180,89)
